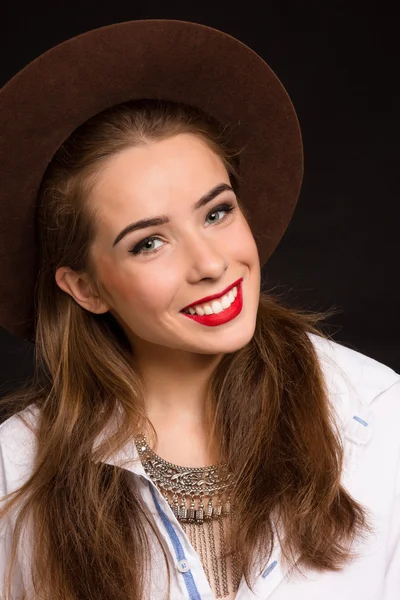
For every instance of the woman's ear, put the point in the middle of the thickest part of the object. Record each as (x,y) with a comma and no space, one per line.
(79,287)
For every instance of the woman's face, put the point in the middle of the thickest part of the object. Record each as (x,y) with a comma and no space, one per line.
(148,275)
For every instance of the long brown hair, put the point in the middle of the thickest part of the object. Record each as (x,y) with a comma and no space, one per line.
(269,407)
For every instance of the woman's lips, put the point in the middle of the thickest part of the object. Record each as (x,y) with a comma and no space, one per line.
(223,317)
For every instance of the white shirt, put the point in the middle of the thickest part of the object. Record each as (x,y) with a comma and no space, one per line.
(366,398)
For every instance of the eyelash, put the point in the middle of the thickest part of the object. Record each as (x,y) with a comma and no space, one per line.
(137,249)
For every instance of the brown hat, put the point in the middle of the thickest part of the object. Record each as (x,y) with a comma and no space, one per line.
(172,60)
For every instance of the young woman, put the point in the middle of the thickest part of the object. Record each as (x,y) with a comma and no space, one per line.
(185,436)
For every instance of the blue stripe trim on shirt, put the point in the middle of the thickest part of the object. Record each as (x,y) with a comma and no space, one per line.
(180,554)
(269,569)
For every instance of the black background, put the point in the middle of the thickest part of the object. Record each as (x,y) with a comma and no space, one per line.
(339,63)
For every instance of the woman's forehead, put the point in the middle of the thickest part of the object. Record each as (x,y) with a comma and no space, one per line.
(156,176)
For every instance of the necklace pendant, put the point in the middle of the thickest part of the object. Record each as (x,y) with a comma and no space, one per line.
(175,507)
(183,512)
(217,513)
(209,511)
(191,513)
(226,509)
(200,513)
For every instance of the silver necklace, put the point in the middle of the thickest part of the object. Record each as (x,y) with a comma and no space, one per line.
(185,489)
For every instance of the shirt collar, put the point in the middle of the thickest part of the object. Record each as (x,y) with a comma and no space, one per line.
(127,457)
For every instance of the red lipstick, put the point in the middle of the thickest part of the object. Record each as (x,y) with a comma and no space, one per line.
(223,317)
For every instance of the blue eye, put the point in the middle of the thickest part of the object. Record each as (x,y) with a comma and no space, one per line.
(140,248)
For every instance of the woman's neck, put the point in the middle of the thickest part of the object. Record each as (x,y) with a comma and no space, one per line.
(176,395)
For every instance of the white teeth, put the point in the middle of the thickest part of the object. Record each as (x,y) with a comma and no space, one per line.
(216,306)
(226,301)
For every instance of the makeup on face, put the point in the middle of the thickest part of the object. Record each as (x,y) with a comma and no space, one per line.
(174,250)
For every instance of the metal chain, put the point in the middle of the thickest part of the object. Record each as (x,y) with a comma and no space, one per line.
(204,555)
(236,571)
(214,560)
(223,557)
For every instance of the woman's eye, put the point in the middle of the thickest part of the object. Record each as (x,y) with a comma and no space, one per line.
(227,208)
(143,246)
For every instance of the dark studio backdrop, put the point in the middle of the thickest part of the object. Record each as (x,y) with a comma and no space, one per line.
(339,63)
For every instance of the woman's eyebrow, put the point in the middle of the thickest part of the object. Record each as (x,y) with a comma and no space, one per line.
(162,219)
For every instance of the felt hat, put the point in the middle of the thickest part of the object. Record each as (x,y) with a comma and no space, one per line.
(160,59)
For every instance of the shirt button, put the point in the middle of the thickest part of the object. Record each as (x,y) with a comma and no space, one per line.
(183,566)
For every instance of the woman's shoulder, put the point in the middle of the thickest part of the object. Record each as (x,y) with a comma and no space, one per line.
(365,396)
(346,369)
(17,448)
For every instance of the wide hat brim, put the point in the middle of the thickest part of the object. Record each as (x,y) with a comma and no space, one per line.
(168,59)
